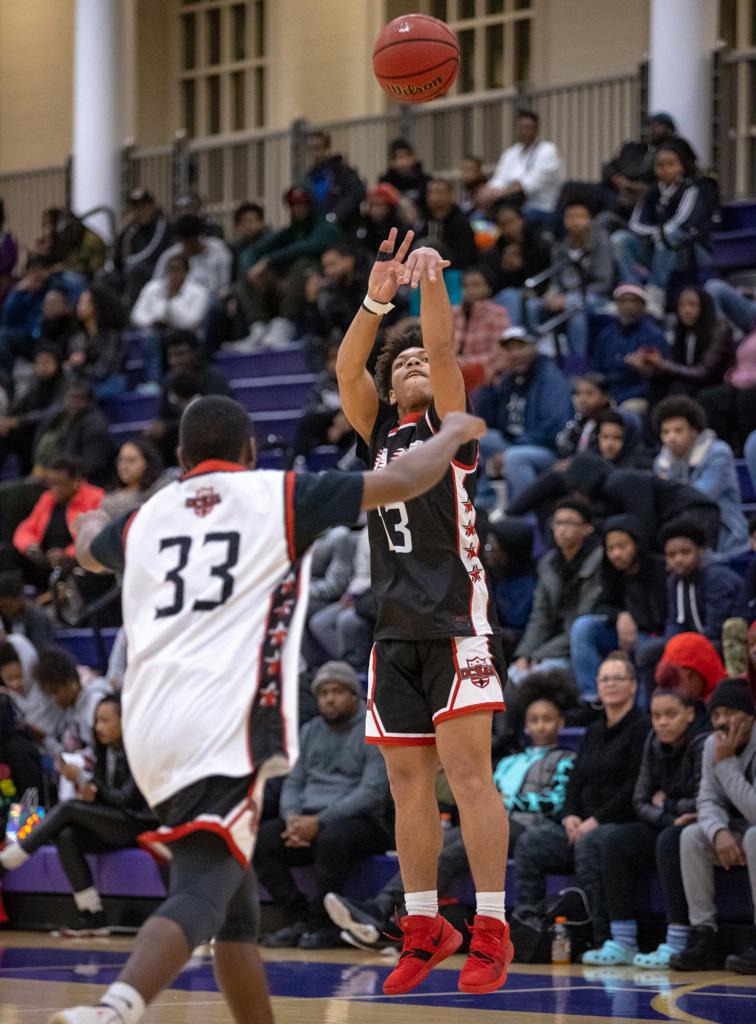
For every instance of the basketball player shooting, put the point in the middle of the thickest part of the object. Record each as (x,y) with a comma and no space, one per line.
(434,684)
(214,595)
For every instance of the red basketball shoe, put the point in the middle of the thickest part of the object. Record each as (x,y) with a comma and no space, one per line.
(427,941)
(490,955)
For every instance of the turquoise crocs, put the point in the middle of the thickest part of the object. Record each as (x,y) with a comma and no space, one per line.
(656,961)
(611,954)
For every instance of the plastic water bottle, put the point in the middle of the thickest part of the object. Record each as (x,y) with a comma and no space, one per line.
(561,945)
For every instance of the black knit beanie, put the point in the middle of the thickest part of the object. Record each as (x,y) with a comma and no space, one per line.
(733,693)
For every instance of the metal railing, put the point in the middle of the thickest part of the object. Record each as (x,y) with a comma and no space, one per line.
(587,121)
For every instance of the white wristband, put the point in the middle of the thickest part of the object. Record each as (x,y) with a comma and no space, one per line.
(378,308)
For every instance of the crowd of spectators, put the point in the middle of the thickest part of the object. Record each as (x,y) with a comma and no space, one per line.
(617,377)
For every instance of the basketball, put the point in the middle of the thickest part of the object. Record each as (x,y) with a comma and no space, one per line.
(416,58)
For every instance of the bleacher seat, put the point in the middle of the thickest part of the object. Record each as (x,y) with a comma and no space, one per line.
(734,242)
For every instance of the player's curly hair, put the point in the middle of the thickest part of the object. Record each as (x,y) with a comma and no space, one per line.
(556,685)
(397,341)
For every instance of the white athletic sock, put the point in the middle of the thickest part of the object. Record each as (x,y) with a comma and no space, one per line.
(424,904)
(490,904)
(89,900)
(13,856)
(124,1000)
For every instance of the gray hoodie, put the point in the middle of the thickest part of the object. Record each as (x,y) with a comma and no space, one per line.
(727,797)
(337,775)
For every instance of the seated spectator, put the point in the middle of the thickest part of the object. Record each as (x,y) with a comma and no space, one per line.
(19,616)
(139,466)
(582,280)
(209,258)
(446,226)
(66,240)
(44,540)
(184,356)
(701,593)
(322,421)
(478,325)
(336,187)
(518,254)
(343,629)
(144,237)
(191,204)
(610,491)
(331,299)
(249,229)
(78,431)
(508,558)
(58,324)
(664,800)
(590,397)
(62,681)
(703,348)
(42,398)
(731,302)
(569,585)
(273,271)
(619,440)
(21,316)
(529,170)
(332,560)
(690,664)
(692,454)
(172,302)
(532,784)
(599,798)
(108,814)
(628,175)
(332,811)
(631,607)
(629,332)
(472,184)
(736,633)
(524,412)
(19,756)
(381,214)
(8,256)
(725,832)
(405,173)
(674,216)
(96,352)
(40,716)
(731,407)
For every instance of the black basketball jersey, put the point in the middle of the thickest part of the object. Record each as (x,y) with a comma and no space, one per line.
(427,576)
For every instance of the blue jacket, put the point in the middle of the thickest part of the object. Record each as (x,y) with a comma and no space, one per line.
(702,603)
(710,468)
(548,404)
(616,341)
(684,211)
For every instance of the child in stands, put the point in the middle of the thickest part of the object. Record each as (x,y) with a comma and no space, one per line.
(665,802)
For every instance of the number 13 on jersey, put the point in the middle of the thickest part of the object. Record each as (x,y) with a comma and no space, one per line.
(396,524)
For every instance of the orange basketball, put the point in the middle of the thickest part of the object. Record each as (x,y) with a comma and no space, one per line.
(416,58)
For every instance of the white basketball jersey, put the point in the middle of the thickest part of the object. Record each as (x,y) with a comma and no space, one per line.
(214,604)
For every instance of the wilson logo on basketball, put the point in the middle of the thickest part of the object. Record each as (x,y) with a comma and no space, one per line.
(204,501)
(479,671)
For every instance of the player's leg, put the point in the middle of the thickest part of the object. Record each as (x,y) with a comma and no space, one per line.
(204,878)
(238,967)
(412,775)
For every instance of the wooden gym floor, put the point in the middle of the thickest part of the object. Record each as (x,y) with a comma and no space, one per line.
(39,974)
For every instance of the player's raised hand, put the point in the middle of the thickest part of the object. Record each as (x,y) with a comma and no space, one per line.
(388,267)
(466,427)
(424,261)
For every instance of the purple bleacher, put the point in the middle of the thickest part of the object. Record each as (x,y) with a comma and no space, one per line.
(263,394)
(80,643)
(734,241)
(324,457)
(266,363)
(747,490)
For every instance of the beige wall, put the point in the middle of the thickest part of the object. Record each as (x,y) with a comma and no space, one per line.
(156,113)
(581,39)
(36,82)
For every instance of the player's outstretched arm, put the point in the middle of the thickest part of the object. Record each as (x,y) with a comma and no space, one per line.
(423,467)
(88,526)
(359,399)
(424,268)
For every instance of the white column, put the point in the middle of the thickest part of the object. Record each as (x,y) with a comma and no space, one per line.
(96,130)
(683,35)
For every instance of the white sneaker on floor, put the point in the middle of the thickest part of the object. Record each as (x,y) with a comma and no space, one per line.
(87,1015)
